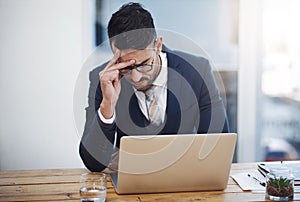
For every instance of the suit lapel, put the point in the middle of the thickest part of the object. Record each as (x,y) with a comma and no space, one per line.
(173,94)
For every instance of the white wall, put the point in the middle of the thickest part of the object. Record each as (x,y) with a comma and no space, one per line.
(249,107)
(41,53)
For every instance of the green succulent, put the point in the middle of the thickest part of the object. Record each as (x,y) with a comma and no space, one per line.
(279,183)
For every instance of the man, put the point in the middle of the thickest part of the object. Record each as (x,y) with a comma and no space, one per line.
(146,89)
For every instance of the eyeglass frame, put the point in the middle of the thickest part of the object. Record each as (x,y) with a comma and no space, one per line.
(130,68)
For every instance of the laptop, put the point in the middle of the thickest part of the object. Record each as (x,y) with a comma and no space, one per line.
(174,163)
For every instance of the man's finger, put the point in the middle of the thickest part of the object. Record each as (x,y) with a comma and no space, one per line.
(108,75)
(122,65)
(114,60)
(114,65)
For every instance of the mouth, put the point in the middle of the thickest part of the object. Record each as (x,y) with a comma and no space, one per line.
(141,82)
(137,84)
(141,85)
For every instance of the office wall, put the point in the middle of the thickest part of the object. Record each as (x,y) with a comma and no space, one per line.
(43,46)
(41,53)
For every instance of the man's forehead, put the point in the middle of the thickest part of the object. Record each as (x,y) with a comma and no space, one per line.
(134,54)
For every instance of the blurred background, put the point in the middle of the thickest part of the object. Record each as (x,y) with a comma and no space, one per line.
(47,48)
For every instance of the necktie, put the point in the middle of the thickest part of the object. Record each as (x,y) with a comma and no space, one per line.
(154,112)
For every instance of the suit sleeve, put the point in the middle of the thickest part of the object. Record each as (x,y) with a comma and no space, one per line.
(213,118)
(96,146)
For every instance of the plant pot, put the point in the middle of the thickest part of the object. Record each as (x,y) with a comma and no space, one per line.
(280,185)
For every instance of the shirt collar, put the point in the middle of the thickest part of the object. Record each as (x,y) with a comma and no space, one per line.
(162,77)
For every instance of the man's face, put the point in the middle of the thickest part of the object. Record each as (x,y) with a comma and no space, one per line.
(144,59)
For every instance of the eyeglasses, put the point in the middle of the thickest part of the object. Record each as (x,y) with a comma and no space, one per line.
(139,67)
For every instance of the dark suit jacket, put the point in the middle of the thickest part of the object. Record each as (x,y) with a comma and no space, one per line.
(193,106)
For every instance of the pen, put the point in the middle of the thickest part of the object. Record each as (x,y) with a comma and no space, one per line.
(260,182)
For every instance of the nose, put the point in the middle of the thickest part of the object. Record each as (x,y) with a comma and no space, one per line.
(135,75)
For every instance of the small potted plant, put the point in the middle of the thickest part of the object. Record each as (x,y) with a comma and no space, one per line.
(279,187)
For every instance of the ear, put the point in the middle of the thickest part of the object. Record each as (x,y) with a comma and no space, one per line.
(113,47)
(158,45)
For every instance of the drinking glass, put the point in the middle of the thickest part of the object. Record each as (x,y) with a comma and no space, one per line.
(93,187)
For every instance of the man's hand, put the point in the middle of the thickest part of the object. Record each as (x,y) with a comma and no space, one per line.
(110,82)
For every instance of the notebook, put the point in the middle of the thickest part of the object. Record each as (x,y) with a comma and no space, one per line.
(174,163)
(294,166)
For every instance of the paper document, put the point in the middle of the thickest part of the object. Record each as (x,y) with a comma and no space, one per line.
(250,181)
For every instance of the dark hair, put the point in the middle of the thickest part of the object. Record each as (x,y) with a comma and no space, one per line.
(131,27)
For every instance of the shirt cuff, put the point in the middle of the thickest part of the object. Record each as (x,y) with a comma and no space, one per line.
(104,120)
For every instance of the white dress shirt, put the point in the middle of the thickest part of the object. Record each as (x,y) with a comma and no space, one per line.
(160,91)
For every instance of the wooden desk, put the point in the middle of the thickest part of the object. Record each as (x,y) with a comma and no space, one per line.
(63,185)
